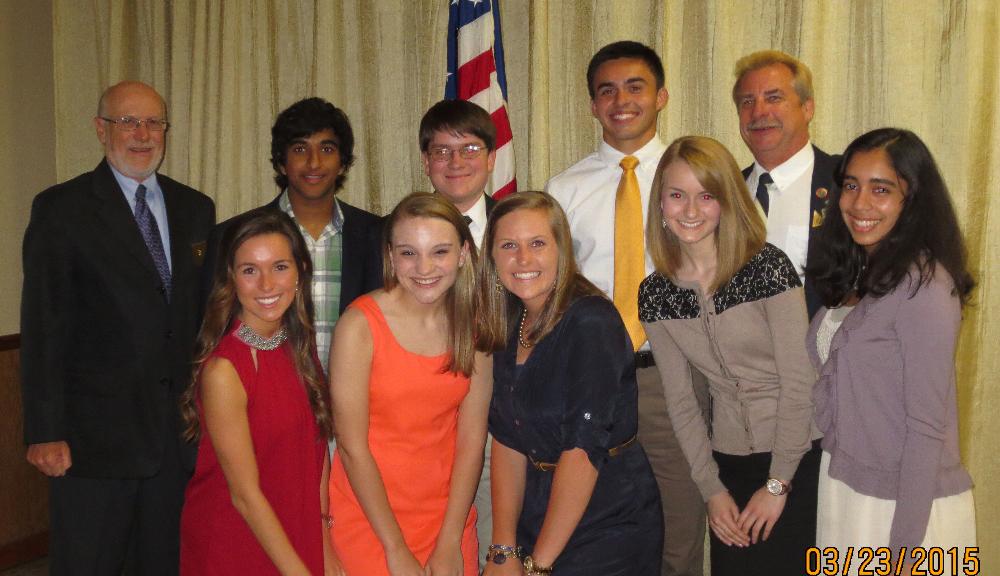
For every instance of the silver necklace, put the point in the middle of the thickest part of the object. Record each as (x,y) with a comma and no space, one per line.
(520,331)
(246,335)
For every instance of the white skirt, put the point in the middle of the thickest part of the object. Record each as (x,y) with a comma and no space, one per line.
(846,519)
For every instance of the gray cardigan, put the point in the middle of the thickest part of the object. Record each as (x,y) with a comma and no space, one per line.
(748,339)
(885,401)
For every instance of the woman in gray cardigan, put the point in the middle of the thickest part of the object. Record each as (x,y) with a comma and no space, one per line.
(730,306)
(892,274)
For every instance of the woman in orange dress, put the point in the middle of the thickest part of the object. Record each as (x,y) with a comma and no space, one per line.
(410,398)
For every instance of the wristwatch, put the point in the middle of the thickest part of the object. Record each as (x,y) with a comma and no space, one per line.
(533,569)
(777,487)
(499,553)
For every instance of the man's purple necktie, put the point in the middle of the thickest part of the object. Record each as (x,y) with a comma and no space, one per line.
(151,234)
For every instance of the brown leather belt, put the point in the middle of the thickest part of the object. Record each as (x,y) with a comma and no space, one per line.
(550,466)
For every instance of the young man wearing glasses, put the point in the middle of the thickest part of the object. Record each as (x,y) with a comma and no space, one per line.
(312,148)
(458,145)
(108,321)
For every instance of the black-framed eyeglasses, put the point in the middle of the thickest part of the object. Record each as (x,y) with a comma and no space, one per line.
(129,123)
(444,154)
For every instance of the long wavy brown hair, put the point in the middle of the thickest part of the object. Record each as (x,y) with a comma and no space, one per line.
(223,307)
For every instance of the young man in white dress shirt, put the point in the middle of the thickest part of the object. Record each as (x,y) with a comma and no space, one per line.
(458,146)
(626,84)
(790,178)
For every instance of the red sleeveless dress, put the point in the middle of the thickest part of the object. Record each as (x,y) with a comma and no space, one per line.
(215,540)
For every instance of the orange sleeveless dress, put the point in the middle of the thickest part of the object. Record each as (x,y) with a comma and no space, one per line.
(412,429)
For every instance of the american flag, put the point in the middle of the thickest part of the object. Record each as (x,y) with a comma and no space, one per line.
(476,73)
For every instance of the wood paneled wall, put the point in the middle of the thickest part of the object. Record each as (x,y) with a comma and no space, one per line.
(24,500)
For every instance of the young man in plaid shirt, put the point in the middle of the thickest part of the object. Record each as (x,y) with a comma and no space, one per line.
(312,149)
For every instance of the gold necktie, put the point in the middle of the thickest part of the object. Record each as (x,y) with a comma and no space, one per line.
(630,259)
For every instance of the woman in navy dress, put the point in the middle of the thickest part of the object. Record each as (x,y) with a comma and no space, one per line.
(573,493)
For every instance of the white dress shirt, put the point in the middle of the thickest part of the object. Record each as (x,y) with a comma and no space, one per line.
(789,212)
(478,224)
(586,191)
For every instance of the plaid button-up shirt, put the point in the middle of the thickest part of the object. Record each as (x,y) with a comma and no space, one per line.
(327,254)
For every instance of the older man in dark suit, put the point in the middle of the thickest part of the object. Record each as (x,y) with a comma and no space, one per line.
(790,177)
(108,320)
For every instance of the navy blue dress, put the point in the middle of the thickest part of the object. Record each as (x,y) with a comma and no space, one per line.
(578,390)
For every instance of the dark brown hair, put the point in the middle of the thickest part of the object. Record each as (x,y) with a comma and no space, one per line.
(457,117)
(223,307)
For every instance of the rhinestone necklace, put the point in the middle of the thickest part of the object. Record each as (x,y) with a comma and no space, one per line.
(246,335)
(520,331)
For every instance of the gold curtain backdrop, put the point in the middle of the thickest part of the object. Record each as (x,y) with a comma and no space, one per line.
(227,68)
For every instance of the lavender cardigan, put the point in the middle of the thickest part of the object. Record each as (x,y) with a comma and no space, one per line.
(885,401)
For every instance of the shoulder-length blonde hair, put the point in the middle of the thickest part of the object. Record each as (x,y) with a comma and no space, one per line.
(460,299)
(223,306)
(741,232)
(498,308)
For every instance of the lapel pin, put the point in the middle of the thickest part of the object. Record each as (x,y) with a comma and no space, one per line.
(817,219)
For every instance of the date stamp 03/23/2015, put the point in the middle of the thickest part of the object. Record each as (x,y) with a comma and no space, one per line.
(871,561)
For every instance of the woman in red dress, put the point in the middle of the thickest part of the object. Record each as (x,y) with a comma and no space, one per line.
(257,403)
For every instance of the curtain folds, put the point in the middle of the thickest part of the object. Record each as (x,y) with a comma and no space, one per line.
(227,68)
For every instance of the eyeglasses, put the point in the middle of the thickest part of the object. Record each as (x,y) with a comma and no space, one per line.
(445,154)
(129,124)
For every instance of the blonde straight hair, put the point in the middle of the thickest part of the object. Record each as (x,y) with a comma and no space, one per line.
(741,232)
(460,299)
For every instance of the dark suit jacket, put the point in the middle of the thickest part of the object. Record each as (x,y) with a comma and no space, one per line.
(361,263)
(824,168)
(105,354)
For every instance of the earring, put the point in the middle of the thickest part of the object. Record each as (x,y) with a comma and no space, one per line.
(663,222)
(499,287)
(461,262)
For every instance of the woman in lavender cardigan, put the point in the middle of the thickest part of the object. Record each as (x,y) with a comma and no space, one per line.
(892,274)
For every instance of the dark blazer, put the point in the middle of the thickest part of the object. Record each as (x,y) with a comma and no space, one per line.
(361,264)
(824,168)
(490,203)
(105,354)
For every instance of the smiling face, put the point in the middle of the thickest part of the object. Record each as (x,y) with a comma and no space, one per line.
(526,256)
(266,278)
(462,181)
(691,212)
(312,165)
(774,122)
(872,197)
(426,254)
(626,103)
(135,154)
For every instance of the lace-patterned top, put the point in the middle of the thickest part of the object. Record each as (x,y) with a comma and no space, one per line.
(748,339)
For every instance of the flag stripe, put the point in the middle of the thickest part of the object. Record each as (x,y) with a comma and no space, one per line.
(479,72)
(475,38)
(503,126)
(503,168)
